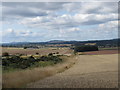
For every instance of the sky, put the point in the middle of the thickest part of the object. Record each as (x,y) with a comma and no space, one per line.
(45,21)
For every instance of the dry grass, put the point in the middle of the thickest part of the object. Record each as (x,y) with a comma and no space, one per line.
(80,53)
(17,79)
(21,78)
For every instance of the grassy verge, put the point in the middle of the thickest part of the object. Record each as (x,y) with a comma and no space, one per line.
(39,64)
(22,77)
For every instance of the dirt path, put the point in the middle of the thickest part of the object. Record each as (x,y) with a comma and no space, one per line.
(93,71)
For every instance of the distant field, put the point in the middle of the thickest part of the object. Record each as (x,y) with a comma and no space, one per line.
(112,48)
(100,52)
(45,51)
(42,51)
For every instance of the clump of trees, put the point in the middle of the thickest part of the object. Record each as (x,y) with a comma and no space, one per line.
(23,63)
(5,54)
(57,52)
(50,54)
(17,62)
(85,48)
(25,47)
(37,53)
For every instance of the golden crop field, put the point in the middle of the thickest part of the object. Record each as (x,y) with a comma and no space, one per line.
(41,51)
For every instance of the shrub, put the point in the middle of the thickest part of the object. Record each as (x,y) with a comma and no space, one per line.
(50,54)
(44,58)
(57,52)
(17,62)
(25,47)
(5,54)
(43,63)
(37,53)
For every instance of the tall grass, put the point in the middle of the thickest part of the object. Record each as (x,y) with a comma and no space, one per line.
(21,78)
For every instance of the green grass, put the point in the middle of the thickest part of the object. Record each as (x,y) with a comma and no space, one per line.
(37,64)
(43,64)
(10,69)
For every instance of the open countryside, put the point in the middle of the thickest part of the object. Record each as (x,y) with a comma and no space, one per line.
(84,69)
(59,45)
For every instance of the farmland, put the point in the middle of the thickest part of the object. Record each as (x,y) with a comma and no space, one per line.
(47,68)
(101,52)
(41,51)
(26,61)
(60,44)
(15,80)
(90,71)
(23,58)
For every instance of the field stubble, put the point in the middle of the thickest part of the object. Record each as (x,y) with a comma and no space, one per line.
(90,71)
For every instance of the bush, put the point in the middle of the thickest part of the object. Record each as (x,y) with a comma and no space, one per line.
(17,62)
(50,58)
(37,53)
(85,48)
(43,63)
(25,47)
(44,58)
(50,54)
(5,54)
(57,52)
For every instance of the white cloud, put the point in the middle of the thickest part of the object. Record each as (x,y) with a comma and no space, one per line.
(67,21)
(59,19)
(73,29)
(99,7)
(20,10)
(84,13)
(9,32)
(109,25)
(16,33)
(68,32)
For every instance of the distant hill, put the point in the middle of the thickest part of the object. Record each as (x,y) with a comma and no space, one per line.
(112,42)
(56,41)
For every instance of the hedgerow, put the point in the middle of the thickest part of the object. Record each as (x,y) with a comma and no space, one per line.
(23,63)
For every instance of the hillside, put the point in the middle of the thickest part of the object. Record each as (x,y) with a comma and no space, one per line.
(112,42)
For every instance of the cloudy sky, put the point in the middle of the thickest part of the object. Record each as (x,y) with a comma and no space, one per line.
(44,21)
